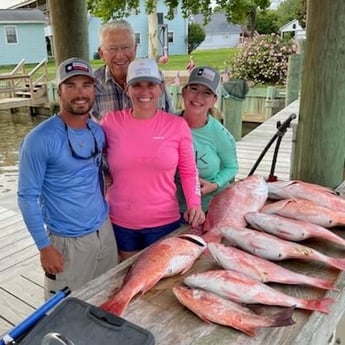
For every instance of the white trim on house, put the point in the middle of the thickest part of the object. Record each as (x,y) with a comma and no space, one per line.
(293,26)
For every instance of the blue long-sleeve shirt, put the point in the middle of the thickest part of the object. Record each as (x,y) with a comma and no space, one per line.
(56,190)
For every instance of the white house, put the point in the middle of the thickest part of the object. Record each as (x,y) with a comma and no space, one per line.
(219,33)
(295,27)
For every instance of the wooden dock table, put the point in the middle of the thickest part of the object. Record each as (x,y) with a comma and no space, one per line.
(160,312)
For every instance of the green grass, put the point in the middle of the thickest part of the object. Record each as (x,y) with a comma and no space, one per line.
(214,58)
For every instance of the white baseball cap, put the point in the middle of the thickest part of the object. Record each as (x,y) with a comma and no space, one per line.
(144,69)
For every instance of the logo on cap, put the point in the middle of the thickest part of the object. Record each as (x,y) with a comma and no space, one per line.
(206,73)
(76,66)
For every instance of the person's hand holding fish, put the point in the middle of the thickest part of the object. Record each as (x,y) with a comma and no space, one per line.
(207,187)
(194,216)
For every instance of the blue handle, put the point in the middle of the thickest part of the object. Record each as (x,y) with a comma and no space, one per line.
(21,328)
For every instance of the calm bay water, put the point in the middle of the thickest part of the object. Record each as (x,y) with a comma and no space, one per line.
(13,128)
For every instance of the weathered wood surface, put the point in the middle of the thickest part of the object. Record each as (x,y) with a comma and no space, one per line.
(252,145)
(21,276)
(171,323)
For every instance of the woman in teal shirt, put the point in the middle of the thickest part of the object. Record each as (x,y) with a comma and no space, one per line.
(214,146)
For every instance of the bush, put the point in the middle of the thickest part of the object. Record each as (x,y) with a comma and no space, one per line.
(263,60)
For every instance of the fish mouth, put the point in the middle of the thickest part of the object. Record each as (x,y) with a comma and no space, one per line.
(194,239)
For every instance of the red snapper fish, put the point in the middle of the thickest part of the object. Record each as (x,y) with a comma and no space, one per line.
(307,211)
(213,308)
(273,248)
(290,229)
(163,259)
(230,205)
(231,258)
(241,288)
(296,189)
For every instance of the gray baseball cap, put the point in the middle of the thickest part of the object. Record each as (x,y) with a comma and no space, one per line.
(73,67)
(206,76)
(143,70)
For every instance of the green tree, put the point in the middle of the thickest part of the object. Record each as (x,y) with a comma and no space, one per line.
(243,11)
(196,35)
(237,11)
(267,22)
(302,13)
(292,9)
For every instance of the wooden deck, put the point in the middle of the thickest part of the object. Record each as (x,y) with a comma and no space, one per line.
(21,277)
(250,146)
(20,89)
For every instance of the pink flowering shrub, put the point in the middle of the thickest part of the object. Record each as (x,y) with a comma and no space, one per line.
(263,60)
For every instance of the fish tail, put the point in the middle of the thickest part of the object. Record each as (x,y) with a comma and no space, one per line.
(283,318)
(249,330)
(324,284)
(115,306)
(337,262)
(321,305)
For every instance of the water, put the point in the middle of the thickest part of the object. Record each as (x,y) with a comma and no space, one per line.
(13,128)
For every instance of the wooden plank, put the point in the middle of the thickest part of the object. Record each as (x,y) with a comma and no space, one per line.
(14,248)
(25,290)
(13,310)
(4,326)
(14,238)
(30,269)
(15,227)
(34,271)
(10,221)
(4,214)
(18,258)
(15,102)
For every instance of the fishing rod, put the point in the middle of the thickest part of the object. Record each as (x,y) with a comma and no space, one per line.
(282,128)
(12,336)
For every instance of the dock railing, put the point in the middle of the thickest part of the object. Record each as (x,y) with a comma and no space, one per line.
(29,87)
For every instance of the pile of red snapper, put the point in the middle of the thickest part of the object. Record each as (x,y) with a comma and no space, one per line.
(258,234)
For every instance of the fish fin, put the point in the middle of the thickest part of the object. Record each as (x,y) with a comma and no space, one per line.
(321,305)
(284,317)
(337,262)
(115,306)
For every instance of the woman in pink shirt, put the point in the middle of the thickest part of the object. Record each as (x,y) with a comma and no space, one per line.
(145,148)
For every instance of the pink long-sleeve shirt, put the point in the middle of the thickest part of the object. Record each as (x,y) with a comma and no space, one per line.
(143,156)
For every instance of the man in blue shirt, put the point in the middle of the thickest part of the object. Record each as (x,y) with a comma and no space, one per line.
(60,190)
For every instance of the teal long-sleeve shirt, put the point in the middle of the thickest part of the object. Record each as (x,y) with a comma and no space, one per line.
(216,158)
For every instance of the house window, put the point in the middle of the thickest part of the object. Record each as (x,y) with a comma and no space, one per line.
(170,37)
(137,38)
(11,35)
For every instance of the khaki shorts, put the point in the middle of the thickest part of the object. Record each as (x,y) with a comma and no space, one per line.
(85,258)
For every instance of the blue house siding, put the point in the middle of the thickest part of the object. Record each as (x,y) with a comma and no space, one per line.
(30,45)
(178,27)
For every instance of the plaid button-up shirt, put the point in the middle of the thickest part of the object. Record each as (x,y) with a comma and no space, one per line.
(111,96)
